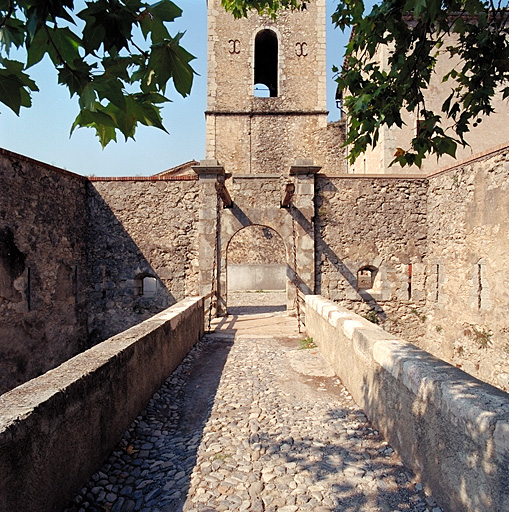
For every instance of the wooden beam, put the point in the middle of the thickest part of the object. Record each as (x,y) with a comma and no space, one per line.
(287,199)
(224,194)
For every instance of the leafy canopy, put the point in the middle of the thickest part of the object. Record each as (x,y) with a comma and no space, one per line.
(472,32)
(116,56)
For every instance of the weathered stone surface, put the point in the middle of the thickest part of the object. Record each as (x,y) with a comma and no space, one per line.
(43,268)
(431,412)
(139,229)
(378,223)
(57,429)
(252,433)
(467,283)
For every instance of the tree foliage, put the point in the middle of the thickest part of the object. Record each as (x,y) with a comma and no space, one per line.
(474,33)
(116,56)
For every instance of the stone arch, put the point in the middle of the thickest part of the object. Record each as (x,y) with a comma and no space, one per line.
(258,255)
(266,60)
(261,254)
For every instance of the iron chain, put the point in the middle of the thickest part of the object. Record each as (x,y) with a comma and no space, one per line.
(213,287)
(295,279)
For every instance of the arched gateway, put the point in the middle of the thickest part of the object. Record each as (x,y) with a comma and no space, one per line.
(256,260)
(259,168)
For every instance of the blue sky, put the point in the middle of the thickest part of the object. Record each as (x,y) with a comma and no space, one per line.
(42,132)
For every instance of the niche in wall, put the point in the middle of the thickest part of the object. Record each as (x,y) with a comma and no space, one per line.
(366,278)
(145,285)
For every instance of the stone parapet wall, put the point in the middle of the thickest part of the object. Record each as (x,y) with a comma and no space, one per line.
(450,428)
(139,229)
(43,267)
(56,430)
(468,282)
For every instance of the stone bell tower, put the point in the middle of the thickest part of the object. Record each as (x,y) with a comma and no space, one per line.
(266,96)
(266,109)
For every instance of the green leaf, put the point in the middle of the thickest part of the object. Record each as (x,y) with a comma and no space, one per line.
(87,97)
(169,60)
(12,33)
(149,115)
(165,10)
(93,36)
(103,124)
(10,91)
(126,119)
(37,48)
(110,89)
(66,44)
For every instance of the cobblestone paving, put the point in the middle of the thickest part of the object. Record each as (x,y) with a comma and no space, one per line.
(255,425)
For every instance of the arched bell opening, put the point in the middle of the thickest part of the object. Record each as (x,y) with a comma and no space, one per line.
(266,64)
(256,271)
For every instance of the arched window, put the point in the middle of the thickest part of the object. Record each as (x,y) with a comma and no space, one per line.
(265,72)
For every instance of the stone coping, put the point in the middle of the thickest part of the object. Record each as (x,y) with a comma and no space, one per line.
(28,160)
(449,427)
(57,429)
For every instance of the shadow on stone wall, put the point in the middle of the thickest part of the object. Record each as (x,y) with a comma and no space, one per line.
(42,268)
(116,267)
(181,408)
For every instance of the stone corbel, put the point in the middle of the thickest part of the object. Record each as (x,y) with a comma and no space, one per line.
(213,171)
(210,169)
(304,166)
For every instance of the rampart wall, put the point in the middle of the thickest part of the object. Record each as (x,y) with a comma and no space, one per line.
(43,268)
(139,229)
(450,428)
(74,253)
(467,292)
(377,224)
(57,429)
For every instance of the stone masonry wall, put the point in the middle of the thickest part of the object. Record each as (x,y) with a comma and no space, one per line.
(270,144)
(43,226)
(468,283)
(301,74)
(140,229)
(378,225)
(256,245)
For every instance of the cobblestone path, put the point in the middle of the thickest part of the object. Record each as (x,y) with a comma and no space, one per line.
(252,423)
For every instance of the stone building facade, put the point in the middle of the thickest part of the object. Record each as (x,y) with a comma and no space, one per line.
(249,134)
(377,159)
(423,255)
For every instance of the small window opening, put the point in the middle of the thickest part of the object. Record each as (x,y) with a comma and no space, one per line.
(74,281)
(365,278)
(261,91)
(479,286)
(145,286)
(29,290)
(266,63)
(437,284)
(410,270)
(149,286)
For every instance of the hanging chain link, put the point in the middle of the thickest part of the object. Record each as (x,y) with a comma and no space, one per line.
(213,287)
(295,278)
